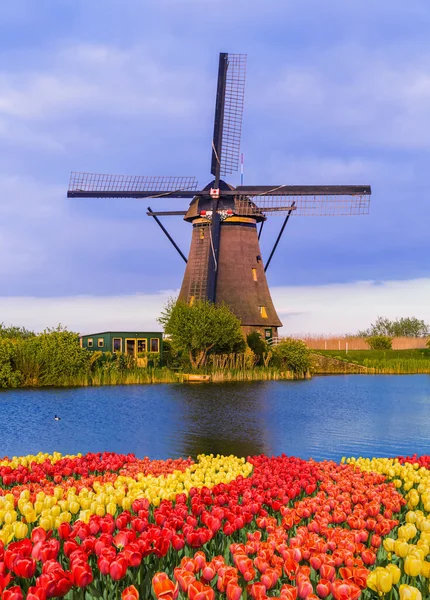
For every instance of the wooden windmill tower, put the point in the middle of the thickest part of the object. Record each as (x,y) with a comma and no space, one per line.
(224,262)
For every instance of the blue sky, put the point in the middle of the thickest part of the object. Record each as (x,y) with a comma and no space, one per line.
(337,92)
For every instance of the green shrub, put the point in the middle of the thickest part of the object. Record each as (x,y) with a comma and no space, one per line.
(257,345)
(379,342)
(52,358)
(10,377)
(293,355)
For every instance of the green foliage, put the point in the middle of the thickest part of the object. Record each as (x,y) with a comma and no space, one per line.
(15,333)
(201,328)
(293,355)
(149,359)
(403,327)
(259,346)
(9,376)
(380,342)
(53,358)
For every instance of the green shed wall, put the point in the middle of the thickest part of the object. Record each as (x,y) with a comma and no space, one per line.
(108,337)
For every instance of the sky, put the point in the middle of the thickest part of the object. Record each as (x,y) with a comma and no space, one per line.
(336,93)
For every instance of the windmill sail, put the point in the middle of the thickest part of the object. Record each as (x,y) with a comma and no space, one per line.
(90,185)
(334,200)
(228,114)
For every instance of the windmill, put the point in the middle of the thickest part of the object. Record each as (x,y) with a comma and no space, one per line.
(224,262)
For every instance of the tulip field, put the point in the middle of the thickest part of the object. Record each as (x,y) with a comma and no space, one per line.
(113,526)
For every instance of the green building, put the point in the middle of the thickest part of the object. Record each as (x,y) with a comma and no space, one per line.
(128,342)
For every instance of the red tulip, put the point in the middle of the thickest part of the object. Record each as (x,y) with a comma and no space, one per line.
(36,593)
(64,531)
(369,557)
(82,575)
(13,593)
(118,568)
(25,567)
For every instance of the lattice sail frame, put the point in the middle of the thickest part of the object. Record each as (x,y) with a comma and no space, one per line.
(303,205)
(96,182)
(233,112)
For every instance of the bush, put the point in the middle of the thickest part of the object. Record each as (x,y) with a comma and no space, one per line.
(293,355)
(257,345)
(9,376)
(379,342)
(52,358)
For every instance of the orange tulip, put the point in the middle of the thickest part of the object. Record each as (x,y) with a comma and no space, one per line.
(163,587)
(130,593)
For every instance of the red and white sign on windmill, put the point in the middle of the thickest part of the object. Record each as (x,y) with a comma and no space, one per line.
(214,193)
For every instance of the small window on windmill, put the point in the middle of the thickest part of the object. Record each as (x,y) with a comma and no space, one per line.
(258,257)
(254,274)
(100,342)
(263,312)
(202,233)
(90,342)
(191,301)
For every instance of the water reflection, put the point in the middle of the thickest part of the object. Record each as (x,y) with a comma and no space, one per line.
(326,417)
(222,419)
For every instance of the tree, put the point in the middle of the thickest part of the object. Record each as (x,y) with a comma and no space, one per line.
(403,327)
(293,355)
(201,328)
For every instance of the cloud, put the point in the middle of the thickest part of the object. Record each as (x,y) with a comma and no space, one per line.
(102,79)
(324,309)
(348,307)
(380,98)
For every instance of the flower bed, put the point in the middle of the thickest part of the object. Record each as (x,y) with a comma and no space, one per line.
(113,526)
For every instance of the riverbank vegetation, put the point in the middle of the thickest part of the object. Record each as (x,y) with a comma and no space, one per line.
(385,361)
(205,339)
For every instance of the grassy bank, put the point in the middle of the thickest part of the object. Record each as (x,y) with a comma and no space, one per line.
(165,375)
(137,376)
(384,361)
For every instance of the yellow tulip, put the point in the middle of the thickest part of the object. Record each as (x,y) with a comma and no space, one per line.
(74,507)
(425,569)
(10,516)
(380,580)
(401,548)
(412,565)
(46,523)
(388,544)
(409,592)
(20,530)
(395,573)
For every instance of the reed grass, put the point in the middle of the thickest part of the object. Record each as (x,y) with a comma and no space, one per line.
(340,343)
